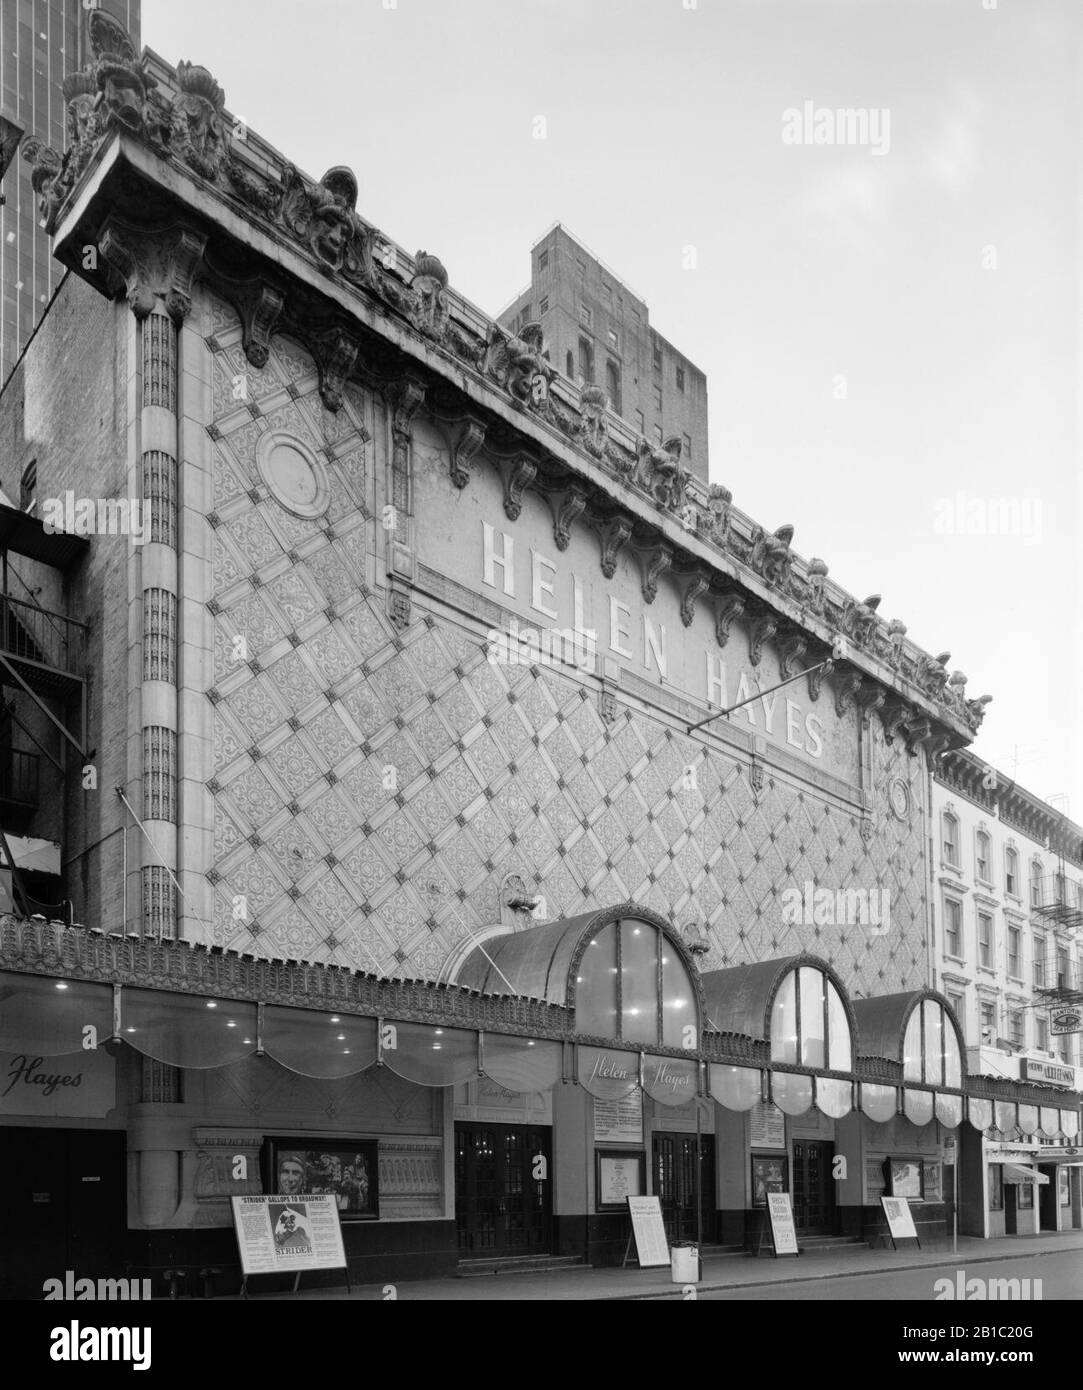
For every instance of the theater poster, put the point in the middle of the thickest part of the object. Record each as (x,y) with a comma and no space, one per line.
(283,1235)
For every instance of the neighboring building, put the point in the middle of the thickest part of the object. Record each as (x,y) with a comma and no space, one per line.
(41,43)
(1008,899)
(597,332)
(397,823)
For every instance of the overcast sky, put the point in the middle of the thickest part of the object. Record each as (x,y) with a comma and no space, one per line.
(890,331)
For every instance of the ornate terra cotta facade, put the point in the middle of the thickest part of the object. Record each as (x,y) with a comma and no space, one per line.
(360,491)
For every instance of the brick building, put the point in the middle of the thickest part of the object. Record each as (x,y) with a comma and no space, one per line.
(407,848)
(597,332)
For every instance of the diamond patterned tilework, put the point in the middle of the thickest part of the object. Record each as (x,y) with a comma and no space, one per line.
(599,813)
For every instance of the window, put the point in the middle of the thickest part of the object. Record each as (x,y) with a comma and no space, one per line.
(524,315)
(996,1187)
(1035,884)
(953,918)
(543,307)
(656,349)
(631,984)
(607,288)
(931,1047)
(1041,1026)
(656,392)
(656,431)
(585,315)
(586,361)
(680,378)
(1039,962)
(636,317)
(1018,1028)
(1064,1049)
(543,260)
(570,373)
(988,1023)
(1014,963)
(1062,967)
(981,841)
(958,1004)
(985,940)
(612,383)
(809,1023)
(950,831)
(640,422)
(612,340)
(28,487)
(1011,873)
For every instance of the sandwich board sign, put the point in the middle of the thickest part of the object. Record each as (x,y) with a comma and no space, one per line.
(652,1248)
(783,1231)
(900,1220)
(287,1235)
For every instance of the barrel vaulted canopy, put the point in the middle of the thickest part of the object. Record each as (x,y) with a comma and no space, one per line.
(909,1028)
(623,970)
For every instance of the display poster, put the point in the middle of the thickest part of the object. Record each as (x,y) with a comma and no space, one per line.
(619,1121)
(620,1176)
(768,1126)
(905,1177)
(280,1235)
(783,1231)
(768,1175)
(899,1220)
(652,1248)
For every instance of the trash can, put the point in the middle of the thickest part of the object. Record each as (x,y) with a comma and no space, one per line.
(684,1262)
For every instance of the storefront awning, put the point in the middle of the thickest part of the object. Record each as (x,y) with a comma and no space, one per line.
(1015,1173)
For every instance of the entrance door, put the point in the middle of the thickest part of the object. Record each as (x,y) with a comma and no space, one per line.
(501,1208)
(813,1187)
(67,1209)
(675,1184)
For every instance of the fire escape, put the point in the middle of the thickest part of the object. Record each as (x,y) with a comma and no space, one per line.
(1057,903)
(42,670)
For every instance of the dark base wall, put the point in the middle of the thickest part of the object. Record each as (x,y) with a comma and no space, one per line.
(376,1253)
(932,1221)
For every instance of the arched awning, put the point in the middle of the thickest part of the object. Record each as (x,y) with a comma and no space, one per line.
(623,972)
(918,1031)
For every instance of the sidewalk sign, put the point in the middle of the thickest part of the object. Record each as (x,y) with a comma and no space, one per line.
(649,1233)
(277,1234)
(783,1231)
(900,1222)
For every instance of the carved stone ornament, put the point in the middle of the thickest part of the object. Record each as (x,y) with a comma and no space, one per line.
(932,673)
(756,777)
(816,678)
(323,216)
(865,827)
(592,429)
(518,475)
(660,472)
(817,577)
(792,651)
(199,131)
(607,706)
(893,642)
(716,520)
(466,446)
(771,556)
(893,716)
(859,620)
(975,710)
(336,352)
(916,732)
(846,687)
(121,81)
(870,698)
(694,587)
(259,307)
(430,310)
(153,264)
(656,561)
(613,534)
(518,364)
(567,505)
(399,609)
(727,607)
(762,628)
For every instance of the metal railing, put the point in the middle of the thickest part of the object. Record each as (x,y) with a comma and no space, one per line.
(34,633)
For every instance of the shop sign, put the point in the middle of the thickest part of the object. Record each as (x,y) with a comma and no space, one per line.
(768,1126)
(1062,1021)
(1050,1072)
(81,1085)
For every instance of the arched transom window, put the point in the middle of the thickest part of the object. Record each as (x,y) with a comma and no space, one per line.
(809,1024)
(631,984)
(931,1047)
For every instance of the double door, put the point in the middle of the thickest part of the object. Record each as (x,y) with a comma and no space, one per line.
(674,1160)
(813,1187)
(502,1189)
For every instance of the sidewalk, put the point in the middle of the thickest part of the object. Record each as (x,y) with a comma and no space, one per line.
(719,1272)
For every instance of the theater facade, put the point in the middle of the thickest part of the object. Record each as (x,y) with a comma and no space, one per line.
(489,820)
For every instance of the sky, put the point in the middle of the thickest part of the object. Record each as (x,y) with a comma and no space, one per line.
(890,329)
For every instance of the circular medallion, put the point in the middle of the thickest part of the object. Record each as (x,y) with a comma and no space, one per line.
(899,798)
(295,477)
